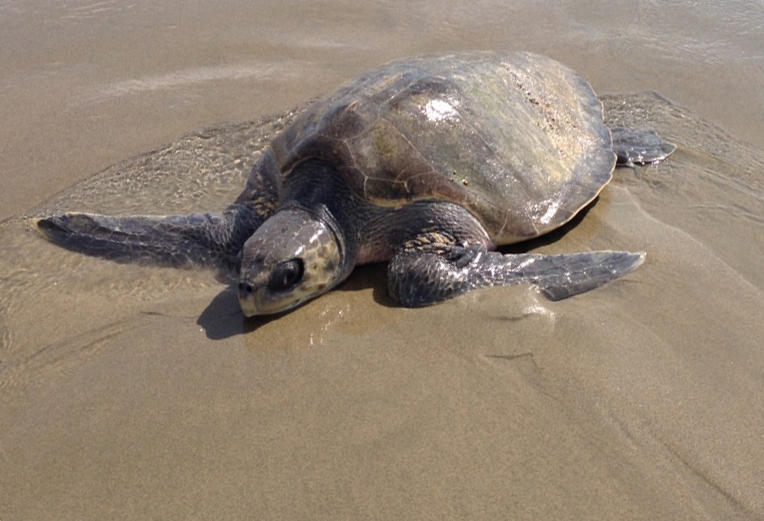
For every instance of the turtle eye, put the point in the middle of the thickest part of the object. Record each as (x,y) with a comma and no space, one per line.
(286,275)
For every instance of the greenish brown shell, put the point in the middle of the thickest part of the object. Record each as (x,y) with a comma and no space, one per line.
(516,138)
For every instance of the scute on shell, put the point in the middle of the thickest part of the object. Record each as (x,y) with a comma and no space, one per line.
(516,138)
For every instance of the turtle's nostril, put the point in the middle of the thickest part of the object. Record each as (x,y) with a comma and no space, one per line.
(245,288)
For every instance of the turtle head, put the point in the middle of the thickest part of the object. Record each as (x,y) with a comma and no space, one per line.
(293,257)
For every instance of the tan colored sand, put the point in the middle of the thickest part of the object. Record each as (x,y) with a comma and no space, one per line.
(130,392)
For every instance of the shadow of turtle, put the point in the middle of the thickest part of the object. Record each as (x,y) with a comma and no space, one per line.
(550,237)
(222,318)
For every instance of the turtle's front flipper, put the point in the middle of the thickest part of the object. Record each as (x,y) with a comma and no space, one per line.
(639,146)
(205,239)
(421,278)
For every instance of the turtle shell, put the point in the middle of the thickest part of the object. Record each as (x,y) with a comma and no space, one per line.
(516,138)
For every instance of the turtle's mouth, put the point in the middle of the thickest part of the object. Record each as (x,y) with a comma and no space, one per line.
(292,258)
(251,308)
(276,293)
(260,300)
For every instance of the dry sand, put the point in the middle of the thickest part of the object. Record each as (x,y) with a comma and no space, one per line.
(133,392)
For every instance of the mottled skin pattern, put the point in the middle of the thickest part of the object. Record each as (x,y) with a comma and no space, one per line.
(428,163)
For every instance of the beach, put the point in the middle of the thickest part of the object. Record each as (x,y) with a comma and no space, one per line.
(130,391)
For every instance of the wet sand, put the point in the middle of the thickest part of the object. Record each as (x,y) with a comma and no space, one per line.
(134,392)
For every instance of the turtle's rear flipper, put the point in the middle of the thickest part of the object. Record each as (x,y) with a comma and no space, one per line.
(202,239)
(639,146)
(423,278)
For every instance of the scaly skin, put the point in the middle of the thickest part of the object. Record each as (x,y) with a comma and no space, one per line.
(437,250)
(176,240)
(428,163)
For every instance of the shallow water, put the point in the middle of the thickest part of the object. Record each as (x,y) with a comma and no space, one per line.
(87,84)
(134,392)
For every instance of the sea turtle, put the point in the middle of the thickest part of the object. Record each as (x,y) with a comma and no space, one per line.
(429,163)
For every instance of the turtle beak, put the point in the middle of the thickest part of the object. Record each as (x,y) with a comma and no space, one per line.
(247,296)
(253,280)
(255,298)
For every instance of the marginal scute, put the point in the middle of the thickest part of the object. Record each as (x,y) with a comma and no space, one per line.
(516,138)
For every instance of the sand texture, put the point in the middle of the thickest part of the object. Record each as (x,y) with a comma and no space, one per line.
(133,392)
